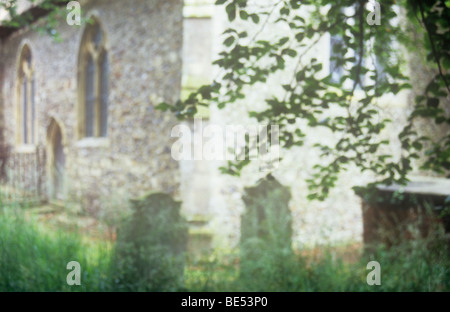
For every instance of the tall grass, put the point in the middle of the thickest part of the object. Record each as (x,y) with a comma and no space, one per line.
(420,265)
(34,258)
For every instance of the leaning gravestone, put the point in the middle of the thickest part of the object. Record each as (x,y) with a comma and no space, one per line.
(266,226)
(151,245)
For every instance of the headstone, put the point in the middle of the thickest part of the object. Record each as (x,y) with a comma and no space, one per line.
(266,225)
(151,245)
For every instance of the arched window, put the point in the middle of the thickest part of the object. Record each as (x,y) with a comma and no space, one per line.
(26,109)
(93,83)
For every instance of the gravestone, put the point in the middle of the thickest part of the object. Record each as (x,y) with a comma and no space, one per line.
(151,245)
(266,225)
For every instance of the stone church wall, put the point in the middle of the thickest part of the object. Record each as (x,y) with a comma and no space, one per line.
(143,41)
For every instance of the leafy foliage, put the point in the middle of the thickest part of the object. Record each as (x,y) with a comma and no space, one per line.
(51,10)
(249,60)
(433,104)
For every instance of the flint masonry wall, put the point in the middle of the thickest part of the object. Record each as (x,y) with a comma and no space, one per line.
(144,40)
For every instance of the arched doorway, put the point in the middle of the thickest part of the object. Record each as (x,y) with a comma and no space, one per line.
(56,161)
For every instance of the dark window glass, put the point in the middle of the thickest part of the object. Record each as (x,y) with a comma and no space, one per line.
(104,95)
(25,110)
(97,35)
(90,97)
(33,110)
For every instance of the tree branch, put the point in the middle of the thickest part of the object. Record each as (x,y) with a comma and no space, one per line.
(433,47)
(361,44)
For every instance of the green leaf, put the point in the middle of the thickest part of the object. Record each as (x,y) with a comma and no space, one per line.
(433,87)
(283,41)
(299,18)
(243,14)
(433,102)
(417,145)
(284,11)
(229,41)
(255,18)
(300,75)
(243,34)
(300,36)
(205,91)
(231,11)
(290,52)
(163,106)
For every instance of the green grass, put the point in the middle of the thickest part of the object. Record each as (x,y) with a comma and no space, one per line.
(413,266)
(33,257)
